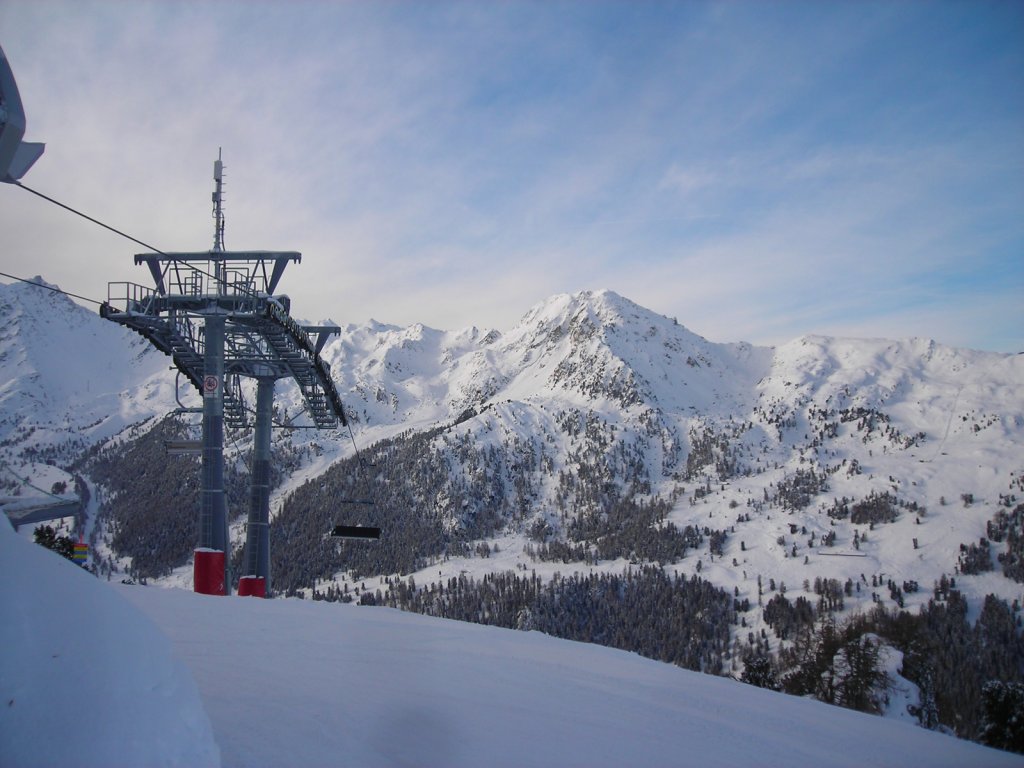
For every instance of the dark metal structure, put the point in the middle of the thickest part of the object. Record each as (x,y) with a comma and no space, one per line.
(16,155)
(40,512)
(355,532)
(218,315)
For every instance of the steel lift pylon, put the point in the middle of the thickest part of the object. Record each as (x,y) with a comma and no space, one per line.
(218,315)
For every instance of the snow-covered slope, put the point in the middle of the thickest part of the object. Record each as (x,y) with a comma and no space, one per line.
(298,683)
(89,681)
(719,426)
(68,378)
(85,678)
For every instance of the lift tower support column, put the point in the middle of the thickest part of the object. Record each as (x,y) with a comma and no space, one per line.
(256,576)
(212,560)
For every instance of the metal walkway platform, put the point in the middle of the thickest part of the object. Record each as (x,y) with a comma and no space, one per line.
(261,338)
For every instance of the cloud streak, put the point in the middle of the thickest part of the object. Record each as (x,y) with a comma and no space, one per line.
(758,171)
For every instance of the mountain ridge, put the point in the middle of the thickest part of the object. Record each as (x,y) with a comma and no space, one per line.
(65,372)
(593,437)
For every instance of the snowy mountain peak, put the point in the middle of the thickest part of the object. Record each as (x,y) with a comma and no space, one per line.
(35,300)
(599,345)
(579,311)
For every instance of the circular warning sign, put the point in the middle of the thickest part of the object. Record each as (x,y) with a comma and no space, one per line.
(210,385)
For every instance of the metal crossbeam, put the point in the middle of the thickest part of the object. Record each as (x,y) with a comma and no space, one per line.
(261,339)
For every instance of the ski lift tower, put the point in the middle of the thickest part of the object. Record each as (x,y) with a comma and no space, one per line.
(218,315)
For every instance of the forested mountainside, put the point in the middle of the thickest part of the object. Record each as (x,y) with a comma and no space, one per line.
(821,503)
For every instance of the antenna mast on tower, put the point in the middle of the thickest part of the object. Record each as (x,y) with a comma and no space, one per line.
(218,199)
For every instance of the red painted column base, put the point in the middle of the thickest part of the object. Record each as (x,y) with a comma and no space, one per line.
(209,572)
(252,586)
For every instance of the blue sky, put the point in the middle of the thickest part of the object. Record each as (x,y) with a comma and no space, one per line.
(758,170)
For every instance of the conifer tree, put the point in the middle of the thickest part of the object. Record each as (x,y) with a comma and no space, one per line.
(1003,715)
(64,546)
(758,671)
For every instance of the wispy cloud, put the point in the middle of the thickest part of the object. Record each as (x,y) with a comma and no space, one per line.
(757,170)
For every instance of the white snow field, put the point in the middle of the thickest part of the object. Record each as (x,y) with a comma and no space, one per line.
(85,678)
(88,680)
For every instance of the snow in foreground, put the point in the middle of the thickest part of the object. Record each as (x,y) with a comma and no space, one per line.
(288,682)
(85,679)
